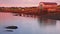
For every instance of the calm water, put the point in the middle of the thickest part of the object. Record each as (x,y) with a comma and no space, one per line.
(28,25)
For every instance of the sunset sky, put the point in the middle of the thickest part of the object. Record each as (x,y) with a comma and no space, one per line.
(23,3)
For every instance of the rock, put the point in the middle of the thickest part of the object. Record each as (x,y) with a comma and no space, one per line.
(11,27)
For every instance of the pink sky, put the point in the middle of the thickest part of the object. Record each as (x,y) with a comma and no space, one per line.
(23,3)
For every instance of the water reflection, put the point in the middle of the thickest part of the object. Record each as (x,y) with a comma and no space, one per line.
(28,25)
(47,26)
(46,21)
(9,30)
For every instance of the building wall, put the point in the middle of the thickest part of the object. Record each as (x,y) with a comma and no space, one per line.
(49,7)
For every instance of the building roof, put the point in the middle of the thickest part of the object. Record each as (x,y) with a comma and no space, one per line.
(58,6)
(49,3)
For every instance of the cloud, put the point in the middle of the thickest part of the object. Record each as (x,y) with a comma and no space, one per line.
(23,2)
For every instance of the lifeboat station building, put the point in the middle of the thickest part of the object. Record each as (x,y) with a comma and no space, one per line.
(48,6)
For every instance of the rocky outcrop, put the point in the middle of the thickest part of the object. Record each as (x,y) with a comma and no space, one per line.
(11,27)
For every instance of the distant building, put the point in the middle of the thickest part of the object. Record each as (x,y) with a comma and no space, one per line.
(49,6)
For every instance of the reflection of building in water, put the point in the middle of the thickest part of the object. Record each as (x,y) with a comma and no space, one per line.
(44,21)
